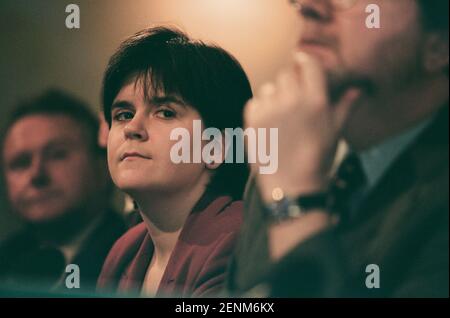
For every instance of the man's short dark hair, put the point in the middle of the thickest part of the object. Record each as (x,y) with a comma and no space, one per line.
(434,14)
(204,76)
(58,102)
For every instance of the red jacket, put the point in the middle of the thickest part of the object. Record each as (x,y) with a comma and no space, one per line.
(198,262)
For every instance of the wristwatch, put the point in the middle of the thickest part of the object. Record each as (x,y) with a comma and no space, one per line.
(284,207)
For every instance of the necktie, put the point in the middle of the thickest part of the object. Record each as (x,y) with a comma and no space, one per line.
(347,187)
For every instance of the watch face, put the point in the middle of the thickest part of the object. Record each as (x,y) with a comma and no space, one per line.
(287,208)
(284,209)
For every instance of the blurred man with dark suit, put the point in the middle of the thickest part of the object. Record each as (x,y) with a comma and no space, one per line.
(57,182)
(378,224)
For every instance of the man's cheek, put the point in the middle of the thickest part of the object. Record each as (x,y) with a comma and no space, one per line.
(15,186)
(361,58)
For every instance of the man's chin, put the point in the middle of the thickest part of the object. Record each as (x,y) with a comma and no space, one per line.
(44,214)
(339,82)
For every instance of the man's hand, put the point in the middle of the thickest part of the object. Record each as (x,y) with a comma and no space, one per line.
(308,126)
(309,129)
(284,236)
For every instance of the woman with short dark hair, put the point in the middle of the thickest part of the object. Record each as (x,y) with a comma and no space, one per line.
(158,81)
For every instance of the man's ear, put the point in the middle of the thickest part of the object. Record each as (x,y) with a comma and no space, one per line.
(436,57)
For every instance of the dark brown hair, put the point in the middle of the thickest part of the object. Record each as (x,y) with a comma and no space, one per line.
(204,76)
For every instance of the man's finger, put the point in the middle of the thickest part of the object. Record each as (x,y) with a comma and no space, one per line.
(288,83)
(345,105)
(311,73)
(267,90)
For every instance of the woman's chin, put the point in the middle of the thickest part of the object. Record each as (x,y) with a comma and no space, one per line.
(129,186)
(135,188)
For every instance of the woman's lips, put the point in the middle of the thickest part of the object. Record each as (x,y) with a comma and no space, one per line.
(133,155)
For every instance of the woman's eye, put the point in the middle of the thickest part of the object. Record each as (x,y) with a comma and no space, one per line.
(165,113)
(124,115)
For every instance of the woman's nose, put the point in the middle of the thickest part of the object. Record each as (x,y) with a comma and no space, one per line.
(136,129)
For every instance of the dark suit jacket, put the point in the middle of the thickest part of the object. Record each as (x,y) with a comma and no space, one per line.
(402,227)
(16,250)
(197,264)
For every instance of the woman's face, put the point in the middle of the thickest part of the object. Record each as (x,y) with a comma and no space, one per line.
(139,142)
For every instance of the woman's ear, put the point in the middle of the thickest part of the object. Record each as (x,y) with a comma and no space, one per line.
(213,165)
(103,131)
(215,152)
(436,57)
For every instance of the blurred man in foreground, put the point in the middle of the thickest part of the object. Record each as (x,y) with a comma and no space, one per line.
(378,226)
